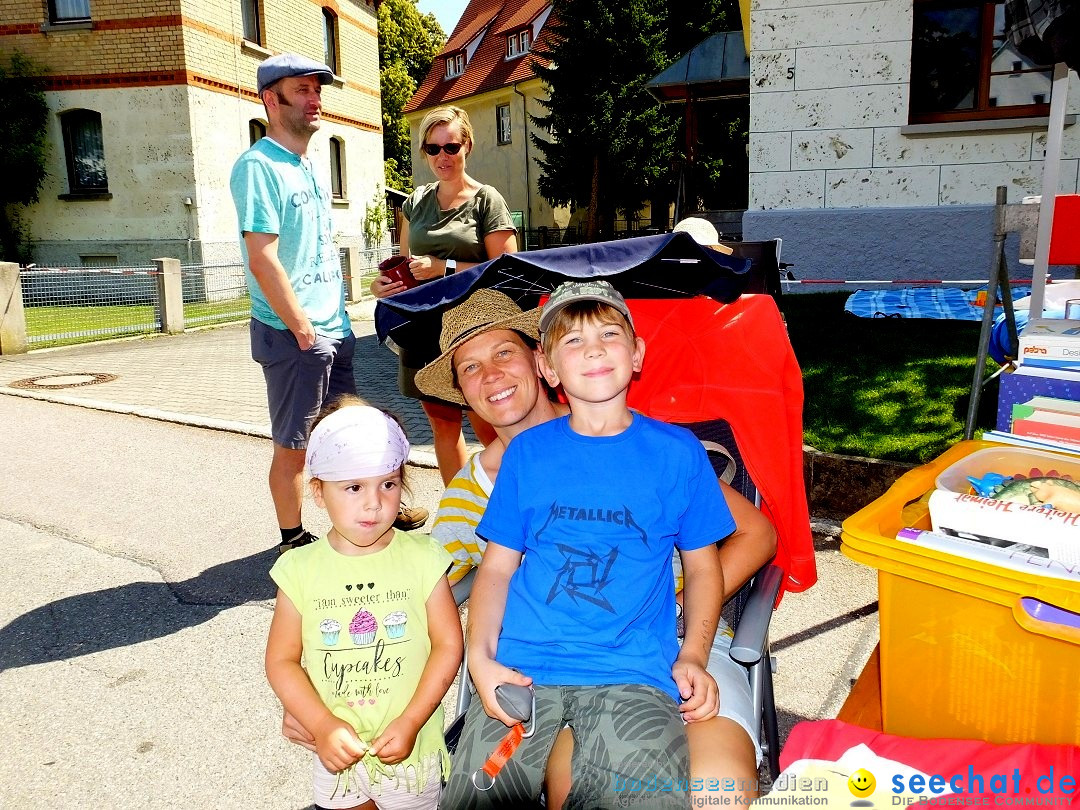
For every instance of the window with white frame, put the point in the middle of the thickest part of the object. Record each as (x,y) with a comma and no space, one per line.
(249,13)
(337,168)
(84,150)
(502,123)
(517,43)
(66,11)
(455,65)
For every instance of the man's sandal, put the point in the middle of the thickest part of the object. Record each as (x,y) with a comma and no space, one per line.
(302,539)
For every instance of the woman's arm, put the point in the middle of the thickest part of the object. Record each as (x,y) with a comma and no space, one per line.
(496,243)
(444,629)
(335,740)
(487,605)
(750,546)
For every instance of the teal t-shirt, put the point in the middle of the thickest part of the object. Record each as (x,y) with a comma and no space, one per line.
(275,191)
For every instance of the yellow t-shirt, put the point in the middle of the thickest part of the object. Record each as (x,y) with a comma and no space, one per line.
(365,634)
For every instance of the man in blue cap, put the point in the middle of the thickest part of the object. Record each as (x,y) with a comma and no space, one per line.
(300,331)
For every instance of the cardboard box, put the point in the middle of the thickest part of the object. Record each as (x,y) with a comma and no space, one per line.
(1051,343)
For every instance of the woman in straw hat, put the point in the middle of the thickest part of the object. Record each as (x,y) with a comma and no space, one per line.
(450,225)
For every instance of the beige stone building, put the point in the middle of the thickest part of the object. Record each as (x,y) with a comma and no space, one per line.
(153,101)
(485,68)
(880,130)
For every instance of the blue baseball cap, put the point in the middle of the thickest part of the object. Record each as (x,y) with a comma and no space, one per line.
(285,65)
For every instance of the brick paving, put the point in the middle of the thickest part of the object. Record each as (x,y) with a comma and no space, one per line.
(204,377)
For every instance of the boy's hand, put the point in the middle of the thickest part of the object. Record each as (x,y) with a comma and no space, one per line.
(701,697)
(486,675)
(337,745)
(396,742)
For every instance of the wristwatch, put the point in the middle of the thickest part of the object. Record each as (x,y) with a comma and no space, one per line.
(451,266)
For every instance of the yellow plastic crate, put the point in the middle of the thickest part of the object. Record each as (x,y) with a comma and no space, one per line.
(968,649)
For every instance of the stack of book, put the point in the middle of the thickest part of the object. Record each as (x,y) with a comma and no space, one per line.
(1039,402)
(1048,418)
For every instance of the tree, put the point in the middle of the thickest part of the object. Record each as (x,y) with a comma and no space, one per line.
(607,136)
(24,116)
(610,146)
(408,43)
(717,176)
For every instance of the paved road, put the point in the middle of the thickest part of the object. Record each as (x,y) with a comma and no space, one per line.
(133,554)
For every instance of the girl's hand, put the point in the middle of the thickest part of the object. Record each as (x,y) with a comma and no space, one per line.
(383,286)
(337,745)
(292,731)
(427,267)
(488,674)
(396,742)
(701,698)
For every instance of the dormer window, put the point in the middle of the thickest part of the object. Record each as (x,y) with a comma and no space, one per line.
(455,65)
(517,43)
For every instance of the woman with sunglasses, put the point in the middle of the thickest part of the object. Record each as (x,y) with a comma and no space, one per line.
(449,225)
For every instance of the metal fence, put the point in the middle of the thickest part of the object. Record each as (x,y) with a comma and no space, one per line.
(214,294)
(67,305)
(358,279)
(76,304)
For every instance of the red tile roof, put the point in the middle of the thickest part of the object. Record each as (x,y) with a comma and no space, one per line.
(465,31)
(489,68)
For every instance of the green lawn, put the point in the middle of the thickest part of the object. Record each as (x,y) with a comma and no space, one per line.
(102,322)
(890,388)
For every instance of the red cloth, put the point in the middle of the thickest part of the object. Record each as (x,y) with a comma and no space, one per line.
(1041,767)
(705,360)
(1065,231)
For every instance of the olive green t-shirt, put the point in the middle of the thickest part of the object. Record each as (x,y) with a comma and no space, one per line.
(455,234)
(458,233)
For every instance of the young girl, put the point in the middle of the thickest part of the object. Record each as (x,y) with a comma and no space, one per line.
(369,609)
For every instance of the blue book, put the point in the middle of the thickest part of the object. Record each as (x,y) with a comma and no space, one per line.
(1029,381)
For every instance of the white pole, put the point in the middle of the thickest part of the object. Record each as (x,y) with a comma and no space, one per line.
(1050,185)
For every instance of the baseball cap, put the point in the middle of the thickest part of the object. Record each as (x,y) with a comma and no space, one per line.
(591,290)
(291,64)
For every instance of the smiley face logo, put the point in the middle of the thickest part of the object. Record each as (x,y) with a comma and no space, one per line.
(861,783)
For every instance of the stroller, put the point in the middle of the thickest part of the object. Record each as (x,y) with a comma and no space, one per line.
(718,364)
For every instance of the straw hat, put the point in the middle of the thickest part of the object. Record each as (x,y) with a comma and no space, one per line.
(481,312)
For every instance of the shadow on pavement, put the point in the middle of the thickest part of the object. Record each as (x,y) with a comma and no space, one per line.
(132,613)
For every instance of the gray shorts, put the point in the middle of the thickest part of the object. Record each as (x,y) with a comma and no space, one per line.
(629,750)
(299,384)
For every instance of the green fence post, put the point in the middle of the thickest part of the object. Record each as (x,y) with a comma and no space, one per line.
(170,288)
(12,315)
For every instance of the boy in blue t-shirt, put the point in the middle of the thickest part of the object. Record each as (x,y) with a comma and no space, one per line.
(574,596)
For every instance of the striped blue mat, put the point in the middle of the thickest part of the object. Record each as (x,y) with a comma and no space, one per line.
(922,302)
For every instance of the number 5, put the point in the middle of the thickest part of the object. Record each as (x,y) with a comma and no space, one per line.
(791,73)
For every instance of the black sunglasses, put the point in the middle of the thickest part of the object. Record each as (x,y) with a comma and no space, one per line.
(450,148)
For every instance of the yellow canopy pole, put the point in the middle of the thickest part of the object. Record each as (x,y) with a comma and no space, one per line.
(744,10)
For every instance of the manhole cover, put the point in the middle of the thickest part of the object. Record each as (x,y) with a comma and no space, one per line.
(53,382)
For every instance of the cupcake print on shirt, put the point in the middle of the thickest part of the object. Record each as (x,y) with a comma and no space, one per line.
(395,623)
(330,628)
(362,628)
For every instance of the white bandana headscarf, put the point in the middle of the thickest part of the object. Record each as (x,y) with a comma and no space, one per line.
(357,441)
